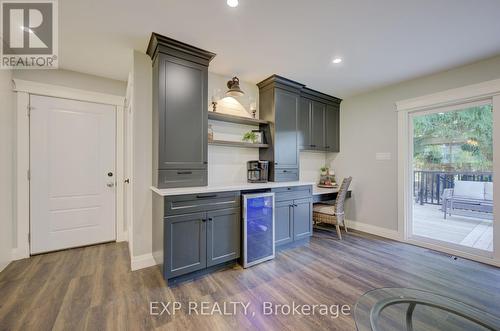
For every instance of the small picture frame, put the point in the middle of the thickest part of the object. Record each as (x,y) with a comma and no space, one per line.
(260,136)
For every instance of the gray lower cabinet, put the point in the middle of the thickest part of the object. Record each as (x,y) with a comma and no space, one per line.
(293,214)
(200,240)
(185,244)
(283,223)
(302,218)
(193,232)
(223,236)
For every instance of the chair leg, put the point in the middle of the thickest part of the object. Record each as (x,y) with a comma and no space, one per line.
(337,226)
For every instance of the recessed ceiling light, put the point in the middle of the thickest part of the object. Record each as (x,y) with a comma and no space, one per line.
(336,60)
(232,3)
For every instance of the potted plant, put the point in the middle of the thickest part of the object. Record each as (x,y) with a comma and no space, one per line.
(250,136)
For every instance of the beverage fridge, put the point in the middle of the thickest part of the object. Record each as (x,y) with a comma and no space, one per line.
(258,228)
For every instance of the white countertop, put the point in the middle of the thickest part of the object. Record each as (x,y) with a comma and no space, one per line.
(322,190)
(233,187)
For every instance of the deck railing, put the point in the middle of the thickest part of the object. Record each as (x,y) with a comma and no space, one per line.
(429,184)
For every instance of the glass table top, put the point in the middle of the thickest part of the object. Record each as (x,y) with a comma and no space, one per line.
(409,309)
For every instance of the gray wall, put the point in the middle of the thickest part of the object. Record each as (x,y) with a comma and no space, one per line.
(142,153)
(7,123)
(369,125)
(73,79)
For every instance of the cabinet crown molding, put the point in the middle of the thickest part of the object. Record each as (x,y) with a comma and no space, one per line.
(280,82)
(319,96)
(288,84)
(160,43)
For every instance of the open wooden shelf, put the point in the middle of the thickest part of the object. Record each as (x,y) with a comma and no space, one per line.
(236,144)
(235,119)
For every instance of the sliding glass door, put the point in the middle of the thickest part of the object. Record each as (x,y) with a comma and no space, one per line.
(451,177)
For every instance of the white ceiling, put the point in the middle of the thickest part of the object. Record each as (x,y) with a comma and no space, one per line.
(382,42)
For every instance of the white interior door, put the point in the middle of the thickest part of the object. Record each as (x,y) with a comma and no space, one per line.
(72,170)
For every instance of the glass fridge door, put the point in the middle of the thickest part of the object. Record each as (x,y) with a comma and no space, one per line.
(259,228)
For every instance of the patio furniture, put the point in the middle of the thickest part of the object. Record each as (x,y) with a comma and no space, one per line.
(470,199)
(333,214)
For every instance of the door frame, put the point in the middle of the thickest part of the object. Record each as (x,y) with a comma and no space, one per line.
(462,95)
(24,89)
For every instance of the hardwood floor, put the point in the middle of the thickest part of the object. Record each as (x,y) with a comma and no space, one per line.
(92,288)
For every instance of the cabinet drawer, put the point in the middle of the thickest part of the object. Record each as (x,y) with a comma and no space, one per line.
(286,175)
(292,192)
(192,203)
(181,178)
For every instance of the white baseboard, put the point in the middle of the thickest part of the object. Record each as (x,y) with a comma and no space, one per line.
(19,254)
(3,265)
(373,229)
(142,261)
(122,236)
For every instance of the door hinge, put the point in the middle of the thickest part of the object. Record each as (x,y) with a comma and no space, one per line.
(29,174)
(29,238)
(29,110)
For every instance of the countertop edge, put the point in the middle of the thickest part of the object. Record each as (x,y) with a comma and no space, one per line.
(225,188)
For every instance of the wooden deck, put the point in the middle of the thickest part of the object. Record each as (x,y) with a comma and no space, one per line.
(428,222)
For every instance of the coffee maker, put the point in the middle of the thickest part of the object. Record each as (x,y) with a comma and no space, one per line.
(257,171)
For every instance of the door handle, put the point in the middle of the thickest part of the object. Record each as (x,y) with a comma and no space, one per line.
(210,219)
(206,196)
(110,184)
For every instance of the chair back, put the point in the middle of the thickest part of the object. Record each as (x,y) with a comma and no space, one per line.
(339,202)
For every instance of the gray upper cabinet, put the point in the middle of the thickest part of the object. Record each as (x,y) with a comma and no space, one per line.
(180,119)
(332,128)
(318,125)
(319,121)
(286,108)
(184,117)
(304,133)
(279,104)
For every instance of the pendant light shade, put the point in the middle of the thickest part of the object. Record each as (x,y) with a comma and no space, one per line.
(234,88)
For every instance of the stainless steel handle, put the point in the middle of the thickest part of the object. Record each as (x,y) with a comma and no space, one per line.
(110,184)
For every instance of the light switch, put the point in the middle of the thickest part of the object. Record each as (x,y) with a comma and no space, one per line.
(383,156)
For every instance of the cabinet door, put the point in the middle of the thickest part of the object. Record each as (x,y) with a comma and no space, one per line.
(332,129)
(223,236)
(318,125)
(182,114)
(185,247)
(302,218)
(304,133)
(283,222)
(285,144)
